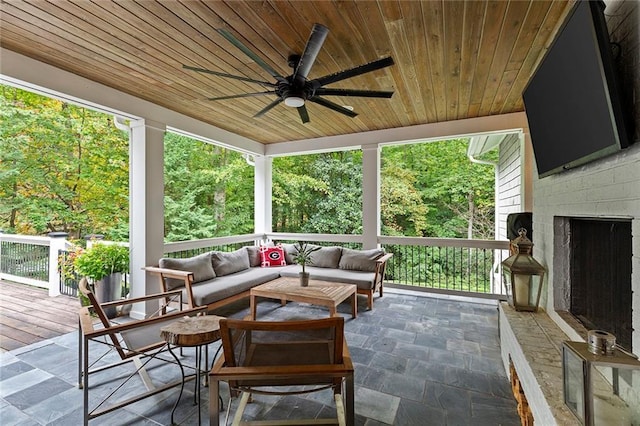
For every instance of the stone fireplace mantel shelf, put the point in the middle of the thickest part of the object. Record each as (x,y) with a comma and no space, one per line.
(533,342)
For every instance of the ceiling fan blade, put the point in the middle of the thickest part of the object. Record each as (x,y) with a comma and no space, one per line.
(352,72)
(237,43)
(333,106)
(351,92)
(244,95)
(304,115)
(314,44)
(236,77)
(264,110)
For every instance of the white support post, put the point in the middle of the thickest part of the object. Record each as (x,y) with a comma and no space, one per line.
(146,207)
(370,195)
(57,242)
(262,194)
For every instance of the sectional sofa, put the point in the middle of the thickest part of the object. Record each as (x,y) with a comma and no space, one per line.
(216,278)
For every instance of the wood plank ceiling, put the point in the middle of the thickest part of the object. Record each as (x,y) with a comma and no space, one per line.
(453,59)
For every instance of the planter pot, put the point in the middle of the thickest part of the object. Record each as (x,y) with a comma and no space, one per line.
(109,289)
(304,279)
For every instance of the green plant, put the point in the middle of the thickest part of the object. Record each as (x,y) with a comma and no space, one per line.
(303,255)
(102,260)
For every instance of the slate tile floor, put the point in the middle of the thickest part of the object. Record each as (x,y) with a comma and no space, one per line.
(418,361)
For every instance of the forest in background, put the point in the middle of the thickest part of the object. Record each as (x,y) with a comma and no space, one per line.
(65,168)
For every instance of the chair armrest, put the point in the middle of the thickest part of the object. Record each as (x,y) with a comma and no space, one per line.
(169,273)
(165,295)
(384,258)
(89,331)
(186,276)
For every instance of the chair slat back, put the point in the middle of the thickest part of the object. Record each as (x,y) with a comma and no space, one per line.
(83,286)
(282,343)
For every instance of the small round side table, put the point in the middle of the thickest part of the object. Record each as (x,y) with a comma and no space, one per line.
(195,332)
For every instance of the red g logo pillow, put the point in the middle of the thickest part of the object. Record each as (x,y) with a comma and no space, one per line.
(272,256)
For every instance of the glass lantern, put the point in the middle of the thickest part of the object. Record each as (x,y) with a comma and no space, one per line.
(523,276)
(601,389)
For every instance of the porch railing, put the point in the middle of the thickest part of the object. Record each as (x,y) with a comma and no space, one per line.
(457,266)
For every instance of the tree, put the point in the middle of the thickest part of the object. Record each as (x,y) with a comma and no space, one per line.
(63,168)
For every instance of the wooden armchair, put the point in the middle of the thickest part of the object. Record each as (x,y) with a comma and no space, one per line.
(301,356)
(136,341)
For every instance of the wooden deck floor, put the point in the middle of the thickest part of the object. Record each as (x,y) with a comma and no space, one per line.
(29,315)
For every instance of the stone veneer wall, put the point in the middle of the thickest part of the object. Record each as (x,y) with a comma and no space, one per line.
(609,187)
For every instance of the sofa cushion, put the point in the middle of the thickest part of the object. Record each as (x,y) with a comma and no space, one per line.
(360,260)
(232,284)
(362,279)
(199,265)
(326,257)
(289,252)
(272,256)
(254,255)
(225,263)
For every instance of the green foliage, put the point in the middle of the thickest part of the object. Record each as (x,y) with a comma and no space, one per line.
(102,260)
(62,168)
(208,190)
(319,193)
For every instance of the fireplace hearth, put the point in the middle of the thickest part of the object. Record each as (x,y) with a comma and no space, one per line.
(592,266)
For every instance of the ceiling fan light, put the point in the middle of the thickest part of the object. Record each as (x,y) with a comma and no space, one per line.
(294,101)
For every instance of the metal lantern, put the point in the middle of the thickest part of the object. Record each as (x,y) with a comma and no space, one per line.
(523,275)
(599,388)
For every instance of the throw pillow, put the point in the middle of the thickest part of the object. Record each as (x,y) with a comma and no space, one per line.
(326,257)
(272,256)
(199,265)
(225,263)
(360,260)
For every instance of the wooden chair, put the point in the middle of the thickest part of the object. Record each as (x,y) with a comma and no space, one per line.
(301,356)
(136,341)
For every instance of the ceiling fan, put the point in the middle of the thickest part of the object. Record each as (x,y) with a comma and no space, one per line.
(294,90)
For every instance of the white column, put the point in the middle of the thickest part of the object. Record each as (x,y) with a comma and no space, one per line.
(262,194)
(370,195)
(57,242)
(146,207)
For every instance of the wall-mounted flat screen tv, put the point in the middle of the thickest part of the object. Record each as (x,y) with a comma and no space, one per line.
(573,102)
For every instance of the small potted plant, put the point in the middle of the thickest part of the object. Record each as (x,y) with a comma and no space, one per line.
(302,258)
(103,265)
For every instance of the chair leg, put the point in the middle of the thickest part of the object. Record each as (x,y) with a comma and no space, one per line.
(237,419)
(214,409)
(370,300)
(349,400)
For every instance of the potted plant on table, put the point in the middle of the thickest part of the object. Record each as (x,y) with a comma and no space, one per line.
(302,258)
(103,265)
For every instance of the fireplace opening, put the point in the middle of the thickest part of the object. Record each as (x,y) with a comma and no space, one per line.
(592,266)
(599,268)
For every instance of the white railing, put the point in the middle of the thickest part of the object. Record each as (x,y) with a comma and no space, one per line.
(435,264)
(32,260)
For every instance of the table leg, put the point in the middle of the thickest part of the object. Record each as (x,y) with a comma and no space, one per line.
(332,311)
(181,385)
(354,305)
(252,301)
(196,391)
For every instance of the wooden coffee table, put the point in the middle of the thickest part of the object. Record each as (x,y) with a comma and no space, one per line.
(322,293)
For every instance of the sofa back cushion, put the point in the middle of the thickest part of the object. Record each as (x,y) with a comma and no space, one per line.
(360,260)
(289,252)
(326,257)
(199,265)
(254,255)
(225,263)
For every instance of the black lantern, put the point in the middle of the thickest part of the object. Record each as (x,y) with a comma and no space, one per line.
(523,275)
